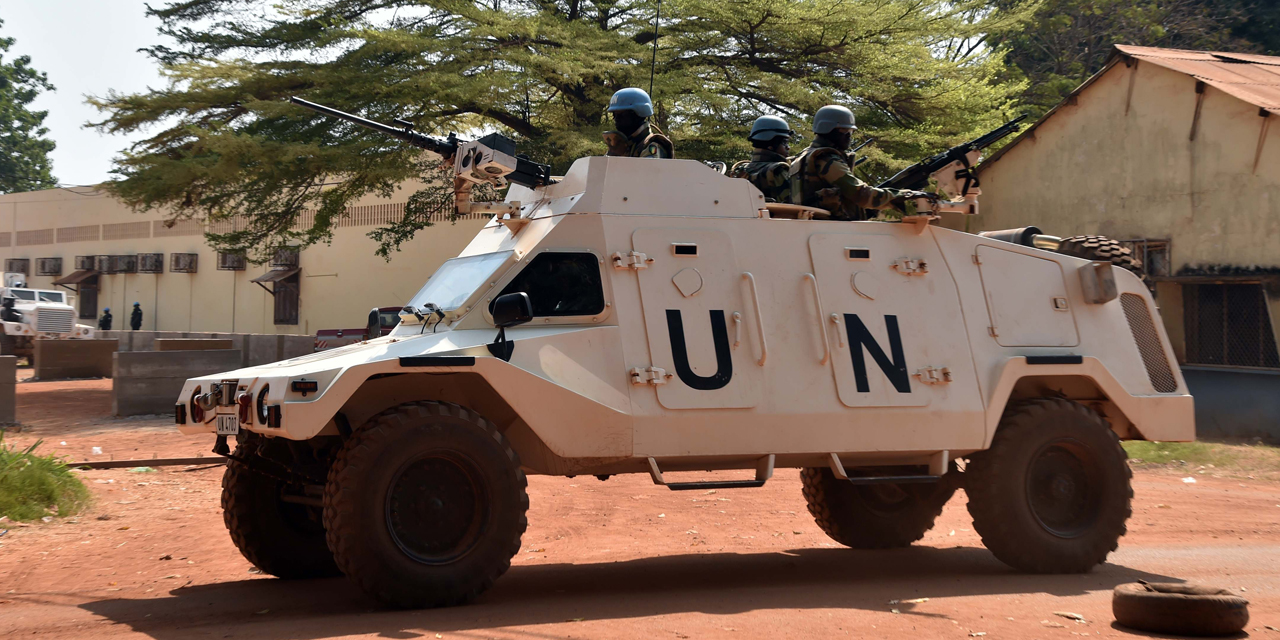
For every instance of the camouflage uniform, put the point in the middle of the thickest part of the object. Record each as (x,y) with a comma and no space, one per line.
(821,177)
(769,172)
(645,142)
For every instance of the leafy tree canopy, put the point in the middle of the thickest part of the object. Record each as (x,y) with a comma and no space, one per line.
(1069,40)
(24,150)
(919,74)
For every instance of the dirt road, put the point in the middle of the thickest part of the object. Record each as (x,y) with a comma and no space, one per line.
(617,559)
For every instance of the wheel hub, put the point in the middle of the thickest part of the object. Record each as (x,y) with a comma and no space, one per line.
(435,509)
(1062,488)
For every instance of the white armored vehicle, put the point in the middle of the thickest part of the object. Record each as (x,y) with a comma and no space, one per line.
(28,314)
(654,316)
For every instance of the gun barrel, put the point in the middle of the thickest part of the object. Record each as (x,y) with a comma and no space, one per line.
(917,175)
(414,138)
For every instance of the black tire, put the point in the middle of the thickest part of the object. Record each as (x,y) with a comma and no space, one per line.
(1179,609)
(284,539)
(425,505)
(1052,494)
(1102,249)
(877,516)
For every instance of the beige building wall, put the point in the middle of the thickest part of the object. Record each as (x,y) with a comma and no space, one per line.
(339,282)
(1127,169)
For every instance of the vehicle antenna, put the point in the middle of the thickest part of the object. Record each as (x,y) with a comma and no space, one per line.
(653,64)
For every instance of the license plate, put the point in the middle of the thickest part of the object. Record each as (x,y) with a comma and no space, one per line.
(228,425)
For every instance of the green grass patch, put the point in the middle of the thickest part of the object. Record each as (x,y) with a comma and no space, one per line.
(33,486)
(1248,458)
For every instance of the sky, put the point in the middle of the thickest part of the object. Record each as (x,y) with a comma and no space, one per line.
(87,47)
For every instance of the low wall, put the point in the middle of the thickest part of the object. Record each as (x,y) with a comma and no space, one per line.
(148,382)
(254,348)
(62,359)
(192,344)
(1235,403)
(8,399)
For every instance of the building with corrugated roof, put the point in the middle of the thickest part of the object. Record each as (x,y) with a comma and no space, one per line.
(1177,153)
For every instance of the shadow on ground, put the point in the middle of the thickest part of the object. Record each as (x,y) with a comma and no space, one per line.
(715,584)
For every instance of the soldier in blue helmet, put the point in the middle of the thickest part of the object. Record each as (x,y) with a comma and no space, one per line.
(135,318)
(104,323)
(769,166)
(634,136)
(822,175)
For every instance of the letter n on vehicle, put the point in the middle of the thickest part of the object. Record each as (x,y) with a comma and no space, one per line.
(860,339)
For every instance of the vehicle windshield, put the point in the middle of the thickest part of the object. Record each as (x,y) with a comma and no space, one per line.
(52,296)
(23,294)
(457,279)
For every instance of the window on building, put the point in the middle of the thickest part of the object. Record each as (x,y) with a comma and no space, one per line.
(1228,325)
(123,264)
(150,263)
(48,266)
(231,262)
(86,263)
(1154,255)
(183,262)
(103,264)
(561,284)
(285,257)
(18,265)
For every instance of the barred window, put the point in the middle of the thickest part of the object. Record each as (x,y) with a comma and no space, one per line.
(85,263)
(1154,255)
(231,262)
(18,265)
(285,257)
(1229,325)
(48,266)
(183,262)
(150,263)
(124,264)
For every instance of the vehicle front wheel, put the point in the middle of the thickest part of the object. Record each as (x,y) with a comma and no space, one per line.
(425,505)
(1052,494)
(872,516)
(280,536)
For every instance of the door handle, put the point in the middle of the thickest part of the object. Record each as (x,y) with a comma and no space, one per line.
(755,302)
(835,319)
(822,329)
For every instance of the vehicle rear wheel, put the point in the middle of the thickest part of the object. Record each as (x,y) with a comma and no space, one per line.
(1052,493)
(875,516)
(282,538)
(425,505)
(1101,249)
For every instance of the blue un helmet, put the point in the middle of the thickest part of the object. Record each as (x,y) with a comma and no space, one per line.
(767,128)
(632,99)
(106,309)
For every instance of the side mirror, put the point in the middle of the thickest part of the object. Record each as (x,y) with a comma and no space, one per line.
(511,309)
(373,327)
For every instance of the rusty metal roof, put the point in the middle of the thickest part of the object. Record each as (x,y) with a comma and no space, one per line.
(1249,77)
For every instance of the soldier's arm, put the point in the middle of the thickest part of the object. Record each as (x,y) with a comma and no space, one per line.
(852,190)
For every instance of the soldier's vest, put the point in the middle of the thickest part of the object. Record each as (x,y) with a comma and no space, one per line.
(811,189)
(770,177)
(639,149)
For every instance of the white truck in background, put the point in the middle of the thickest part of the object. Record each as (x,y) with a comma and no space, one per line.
(27,314)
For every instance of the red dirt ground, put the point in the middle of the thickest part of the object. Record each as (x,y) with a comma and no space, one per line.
(617,559)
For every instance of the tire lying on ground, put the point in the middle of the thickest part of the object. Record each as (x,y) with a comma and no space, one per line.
(1179,609)
(425,505)
(284,539)
(1101,249)
(875,516)
(1051,494)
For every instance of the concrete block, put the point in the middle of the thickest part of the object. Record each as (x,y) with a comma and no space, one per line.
(149,382)
(263,349)
(239,341)
(62,359)
(1235,403)
(143,340)
(8,397)
(294,346)
(191,344)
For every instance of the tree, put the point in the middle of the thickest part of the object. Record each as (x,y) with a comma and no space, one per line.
(1070,40)
(918,72)
(24,151)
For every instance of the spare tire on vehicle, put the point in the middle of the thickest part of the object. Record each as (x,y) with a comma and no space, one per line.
(1101,249)
(1179,609)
